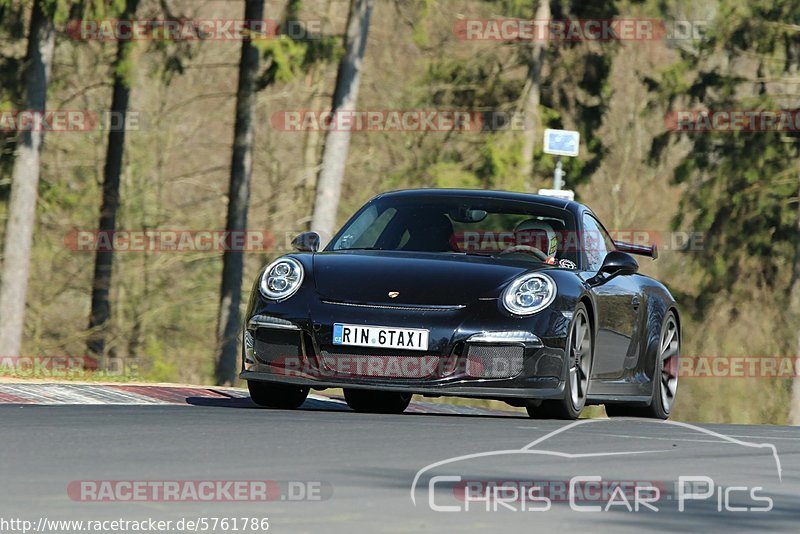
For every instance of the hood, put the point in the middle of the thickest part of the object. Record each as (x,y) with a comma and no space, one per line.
(429,279)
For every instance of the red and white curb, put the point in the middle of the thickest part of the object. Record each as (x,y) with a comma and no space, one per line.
(53,394)
(148,395)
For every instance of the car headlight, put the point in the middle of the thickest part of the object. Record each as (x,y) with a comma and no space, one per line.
(281,279)
(529,294)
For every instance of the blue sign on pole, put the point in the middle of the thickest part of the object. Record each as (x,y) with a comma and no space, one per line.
(561,142)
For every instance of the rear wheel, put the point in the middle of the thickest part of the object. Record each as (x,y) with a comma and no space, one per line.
(665,377)
(579,355)
(277,395)
(368,401)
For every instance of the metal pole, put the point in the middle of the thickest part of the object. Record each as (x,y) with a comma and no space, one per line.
(558,175)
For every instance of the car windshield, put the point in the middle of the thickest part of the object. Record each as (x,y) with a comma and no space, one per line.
(461,225)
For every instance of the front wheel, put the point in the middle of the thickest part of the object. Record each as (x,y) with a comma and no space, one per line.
(368,401)
(277,395)
(578,356)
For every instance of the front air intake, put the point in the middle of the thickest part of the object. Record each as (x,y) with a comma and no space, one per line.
(277,346)
(494,361)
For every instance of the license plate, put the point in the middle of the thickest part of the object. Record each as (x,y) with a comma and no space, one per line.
(385,337)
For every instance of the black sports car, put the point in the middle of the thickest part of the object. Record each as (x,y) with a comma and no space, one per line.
(499,295)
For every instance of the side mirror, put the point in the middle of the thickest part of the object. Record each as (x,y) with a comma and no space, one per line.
(615,264)
(306,242)
(619,263)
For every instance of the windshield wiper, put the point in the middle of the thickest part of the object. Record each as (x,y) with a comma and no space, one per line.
(482,254)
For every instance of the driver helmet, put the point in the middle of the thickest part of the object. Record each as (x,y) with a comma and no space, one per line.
(536,233)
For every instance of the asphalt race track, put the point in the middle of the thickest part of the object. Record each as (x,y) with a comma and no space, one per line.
(333,470)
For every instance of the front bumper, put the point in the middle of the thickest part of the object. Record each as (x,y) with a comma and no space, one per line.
(291,343)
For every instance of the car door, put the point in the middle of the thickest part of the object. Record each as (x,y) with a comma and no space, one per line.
(617,300)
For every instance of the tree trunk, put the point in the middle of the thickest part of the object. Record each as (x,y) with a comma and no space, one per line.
(311,157)
(533,98)
(337,143)
(307,181)
(112,172)
(238,200)
(25,185)
(794,310)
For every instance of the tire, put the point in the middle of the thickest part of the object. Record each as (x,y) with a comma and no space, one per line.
(280,396)
(368,401)
(579,358)
(665,377)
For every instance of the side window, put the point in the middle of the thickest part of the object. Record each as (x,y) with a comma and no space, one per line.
(596,243)
(607,238)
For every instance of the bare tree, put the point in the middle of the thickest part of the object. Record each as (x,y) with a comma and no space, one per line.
(238,201)
(337,143)
(794,295)
(112,172)
(533,95)
(25,184)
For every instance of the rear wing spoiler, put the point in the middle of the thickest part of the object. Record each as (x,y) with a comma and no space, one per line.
(642,250)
